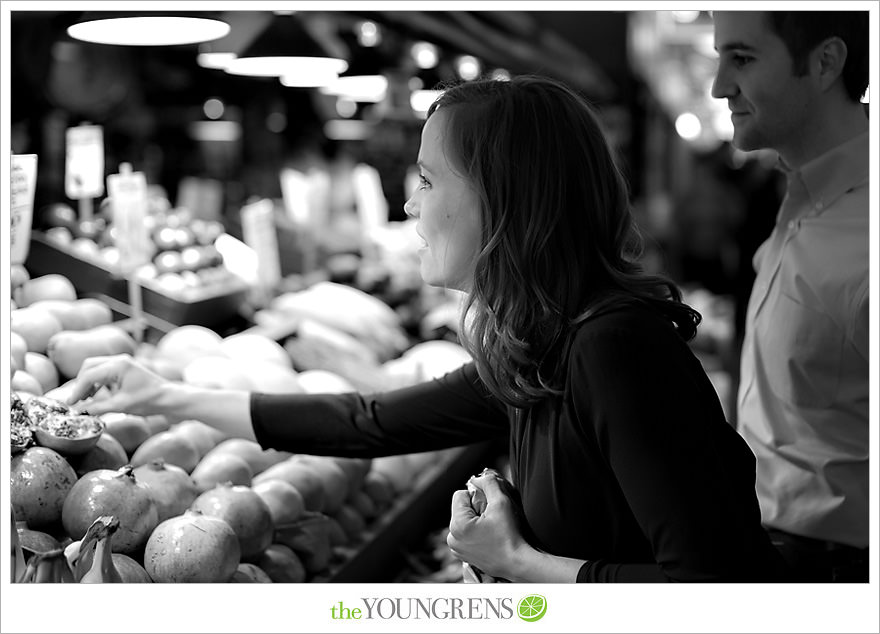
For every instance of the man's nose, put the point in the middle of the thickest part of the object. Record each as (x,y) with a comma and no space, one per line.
(722,87)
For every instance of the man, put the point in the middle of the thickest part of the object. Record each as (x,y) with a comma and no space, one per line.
(793,83)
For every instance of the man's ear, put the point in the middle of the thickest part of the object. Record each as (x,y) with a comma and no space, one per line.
(829,58)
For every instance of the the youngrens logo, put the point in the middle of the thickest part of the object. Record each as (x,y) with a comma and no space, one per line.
(530,608)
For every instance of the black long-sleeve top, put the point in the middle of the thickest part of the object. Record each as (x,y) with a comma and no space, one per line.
(633,469)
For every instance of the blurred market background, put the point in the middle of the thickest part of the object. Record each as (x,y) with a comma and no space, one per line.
(324,157)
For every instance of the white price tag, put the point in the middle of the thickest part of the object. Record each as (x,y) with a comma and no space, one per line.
(84,162)
(369,197)
(23,182)
(129,202)
(295,194)
(258,231)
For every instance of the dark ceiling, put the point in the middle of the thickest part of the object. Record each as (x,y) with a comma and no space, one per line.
(585,48)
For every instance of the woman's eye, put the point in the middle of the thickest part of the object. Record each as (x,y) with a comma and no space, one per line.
(423,182)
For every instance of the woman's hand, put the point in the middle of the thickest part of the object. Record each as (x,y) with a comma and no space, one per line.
(131,387)
(492,541)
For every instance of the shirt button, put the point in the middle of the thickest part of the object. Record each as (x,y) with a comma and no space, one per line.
(819,205)
(792,224)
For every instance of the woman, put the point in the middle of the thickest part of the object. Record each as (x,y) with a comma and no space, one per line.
(625,466)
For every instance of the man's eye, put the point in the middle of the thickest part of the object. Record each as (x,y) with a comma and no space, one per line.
(741,60)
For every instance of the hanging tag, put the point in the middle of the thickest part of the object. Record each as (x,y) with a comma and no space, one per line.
(129,201)
(23,181)
(258,231)
(84,166)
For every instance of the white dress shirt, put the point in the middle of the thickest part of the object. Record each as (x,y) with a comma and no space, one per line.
(803,395)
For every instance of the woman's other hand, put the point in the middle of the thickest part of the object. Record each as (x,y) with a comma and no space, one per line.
(491,541)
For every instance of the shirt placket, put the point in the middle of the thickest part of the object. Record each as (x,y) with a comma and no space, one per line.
(787,222)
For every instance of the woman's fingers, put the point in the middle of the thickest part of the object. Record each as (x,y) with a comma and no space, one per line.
(95,373)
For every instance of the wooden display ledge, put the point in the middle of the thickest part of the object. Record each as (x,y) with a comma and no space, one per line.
(379,555)
(211,307)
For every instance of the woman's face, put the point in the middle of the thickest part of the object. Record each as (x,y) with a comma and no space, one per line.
(448,213)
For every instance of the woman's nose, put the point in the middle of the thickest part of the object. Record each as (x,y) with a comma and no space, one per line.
(410,208)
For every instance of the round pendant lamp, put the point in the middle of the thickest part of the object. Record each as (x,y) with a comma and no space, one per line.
(285,49)
(147,28)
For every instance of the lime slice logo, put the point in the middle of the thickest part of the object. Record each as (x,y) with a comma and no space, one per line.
(532,608)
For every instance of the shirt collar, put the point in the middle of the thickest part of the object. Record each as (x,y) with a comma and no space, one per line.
(828,176)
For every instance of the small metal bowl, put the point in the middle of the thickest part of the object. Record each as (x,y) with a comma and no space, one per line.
(92,428)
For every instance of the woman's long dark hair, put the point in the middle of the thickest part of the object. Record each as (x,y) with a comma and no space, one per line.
(559,243)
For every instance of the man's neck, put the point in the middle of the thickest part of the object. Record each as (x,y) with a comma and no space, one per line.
(830,128)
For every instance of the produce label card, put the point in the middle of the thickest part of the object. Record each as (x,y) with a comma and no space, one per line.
(129,202)
(258,231)
(23,177)
(84,162)
(295,194)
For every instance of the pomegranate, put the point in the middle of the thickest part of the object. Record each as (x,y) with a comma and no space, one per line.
(363,504)
(310,540)
(250,573)
(335,533)
(258,459)
(117,493)
(245,512)
(352,522)
(397,469)
(300,475)
(285,503)
(192,548)
(130,570)
(355,469)
(172,488)
(379,488)
(40,481)
(172,448)
(130,431)
(282,565)
(333,478)
(202,435)
(108,453)
(217,468)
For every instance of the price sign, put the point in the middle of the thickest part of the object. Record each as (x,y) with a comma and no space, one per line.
(127,191)
(23,177)
(372,207)
(129,202)
(84,162)
(369,197)
(258,231)
(295,194)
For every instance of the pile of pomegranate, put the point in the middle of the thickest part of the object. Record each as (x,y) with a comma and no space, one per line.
(138,499)
(187,505)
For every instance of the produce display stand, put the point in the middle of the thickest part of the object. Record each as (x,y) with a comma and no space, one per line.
(379,554)
(214,307)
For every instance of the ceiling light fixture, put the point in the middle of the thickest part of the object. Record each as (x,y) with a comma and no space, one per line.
(361,88)
(286,50)
(147,28)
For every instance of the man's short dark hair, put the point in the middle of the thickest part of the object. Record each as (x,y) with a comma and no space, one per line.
(803,30)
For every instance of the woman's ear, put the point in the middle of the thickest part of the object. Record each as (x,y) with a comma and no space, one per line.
(830,58)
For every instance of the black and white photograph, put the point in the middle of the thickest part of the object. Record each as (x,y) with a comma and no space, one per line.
(439,316)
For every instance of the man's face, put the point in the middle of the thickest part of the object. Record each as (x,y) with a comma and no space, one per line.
(770,107)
